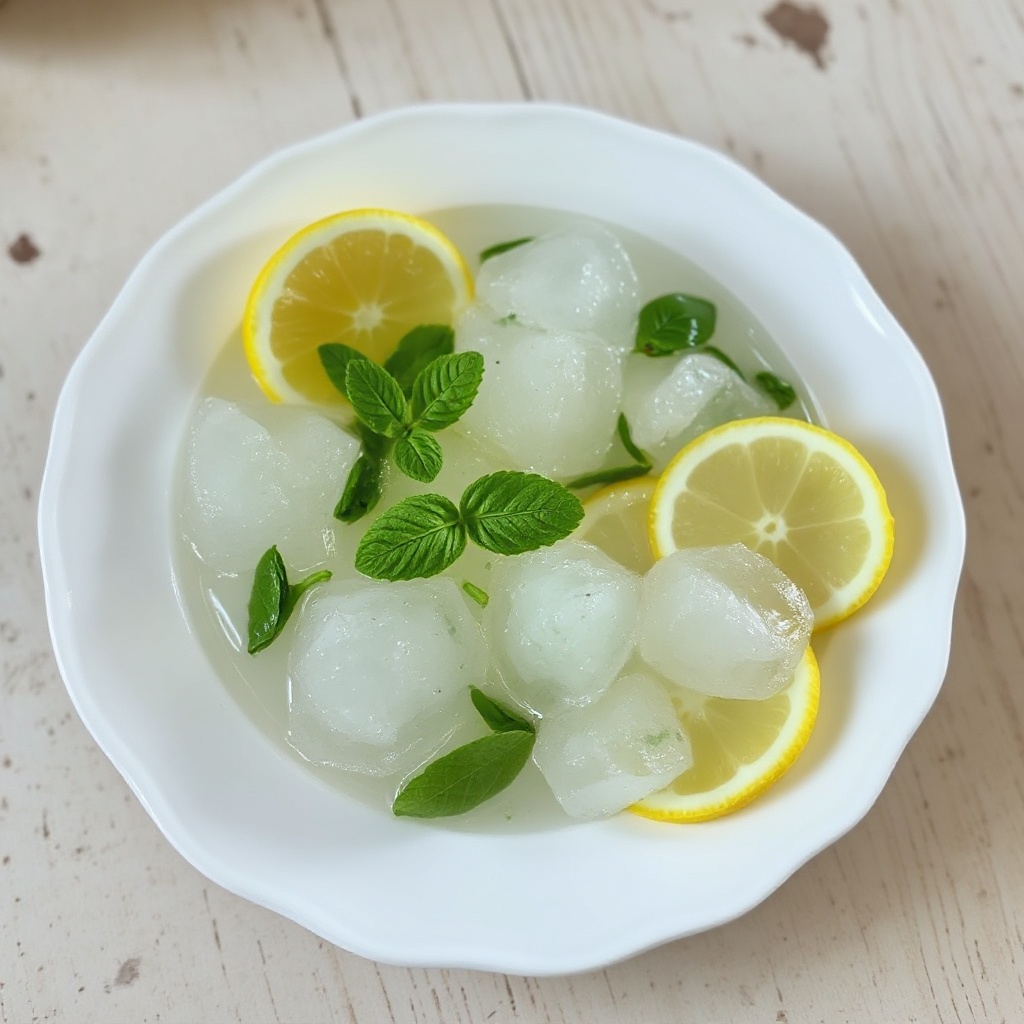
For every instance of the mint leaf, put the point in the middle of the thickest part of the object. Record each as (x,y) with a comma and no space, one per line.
(509,512)
(608,476)
(626,438)
(272,601)
(499,717)
(364,485)
(376,397)
(335,359)
(780,391)
(480,596)
(465,777)
(420,536)
(497,250)
(418,455)
(416,350)
(445,389)
(674,322)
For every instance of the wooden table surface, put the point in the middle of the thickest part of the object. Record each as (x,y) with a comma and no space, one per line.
(898,124)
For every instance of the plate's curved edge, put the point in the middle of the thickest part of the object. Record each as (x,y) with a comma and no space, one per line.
(137,778)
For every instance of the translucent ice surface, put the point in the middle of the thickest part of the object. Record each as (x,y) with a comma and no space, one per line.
(249,486)
(561,623)
(670,400)
(378,673)
(723,621)
(604,757)
(576,279)
(549,400)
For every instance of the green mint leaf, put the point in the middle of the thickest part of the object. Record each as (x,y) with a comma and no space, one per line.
(508,318)
(420,536)
(465,777)
(608,476)
(509,512)
(364,485)
(272,601)
(445,389)
(627,442)
(376,397)
(335,359)
(418,455)
(674,322)
(480,596)
(269,592)
(499,717)
(296,591)
(417,350)
(710,350)
(780,391)
(497,250)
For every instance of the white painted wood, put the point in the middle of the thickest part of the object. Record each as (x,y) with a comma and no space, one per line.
(118,116)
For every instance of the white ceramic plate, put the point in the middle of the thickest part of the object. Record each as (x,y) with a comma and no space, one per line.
(541,901)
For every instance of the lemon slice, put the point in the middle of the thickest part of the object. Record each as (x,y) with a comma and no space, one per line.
(615,520)
(740,747)
(364,278)
(794,492)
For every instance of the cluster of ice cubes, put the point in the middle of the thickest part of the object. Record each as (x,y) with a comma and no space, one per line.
(552,321)
(597,651)
(251,483)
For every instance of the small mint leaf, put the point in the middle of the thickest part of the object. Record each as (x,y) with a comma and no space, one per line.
(376,397)
(269,592)
(509,512)
(608,476)
(417,350)
(710,350)
(418,455)
(499,717)
(365,482)
(780,391)
(420,536)
(445,389)
(465,777)
(476,593)
(496,250)
(627,442)
(673,322)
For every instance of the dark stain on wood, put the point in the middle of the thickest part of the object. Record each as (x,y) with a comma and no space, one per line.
(23,249)
(128,972)
(805,27)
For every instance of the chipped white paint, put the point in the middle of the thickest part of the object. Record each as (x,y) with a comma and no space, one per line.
(908,140)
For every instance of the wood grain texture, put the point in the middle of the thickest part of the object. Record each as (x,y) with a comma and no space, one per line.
(118,116)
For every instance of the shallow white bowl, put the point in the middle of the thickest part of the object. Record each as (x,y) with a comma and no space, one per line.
(544,901)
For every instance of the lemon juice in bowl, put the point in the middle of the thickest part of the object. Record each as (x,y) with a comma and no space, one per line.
(217,601)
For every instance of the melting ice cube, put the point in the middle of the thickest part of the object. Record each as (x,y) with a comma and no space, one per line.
(561,623)
(723,621)
(549,400)
(379,673)
(668,401)
(576,279)
(250,485)
(604,757)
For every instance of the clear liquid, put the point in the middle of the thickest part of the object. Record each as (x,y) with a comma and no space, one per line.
(216,605)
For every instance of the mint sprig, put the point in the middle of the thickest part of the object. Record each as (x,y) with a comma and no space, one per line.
(641,467)
(471,774)
(506,512)
(272,600)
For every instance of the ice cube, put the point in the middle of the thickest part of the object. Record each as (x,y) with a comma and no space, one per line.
(604,757)
(723,621)
(549,401)
(251,484)
(379,673)
(578,278)
(561,623)
(670,400)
